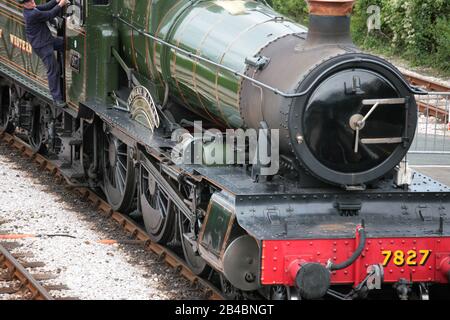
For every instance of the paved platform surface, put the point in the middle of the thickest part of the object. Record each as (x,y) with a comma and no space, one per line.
(439,173)
(435,164)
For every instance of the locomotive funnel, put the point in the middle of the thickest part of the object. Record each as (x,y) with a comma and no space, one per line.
(333,8)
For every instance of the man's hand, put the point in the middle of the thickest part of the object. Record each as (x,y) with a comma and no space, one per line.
(62,3)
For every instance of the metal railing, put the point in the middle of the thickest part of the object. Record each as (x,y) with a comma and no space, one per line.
(433,130)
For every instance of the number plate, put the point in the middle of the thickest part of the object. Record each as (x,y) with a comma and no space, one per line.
(401,258)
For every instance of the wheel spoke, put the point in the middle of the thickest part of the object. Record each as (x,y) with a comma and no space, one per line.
(121,180)
(122,165)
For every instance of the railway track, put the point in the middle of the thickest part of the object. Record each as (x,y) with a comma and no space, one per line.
(18,281)
(429,85)
(127,224)
(439,111)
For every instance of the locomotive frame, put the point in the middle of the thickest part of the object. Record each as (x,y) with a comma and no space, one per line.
(278,237)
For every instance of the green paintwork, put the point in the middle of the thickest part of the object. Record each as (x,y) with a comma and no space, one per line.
(93,41)
(220,216)
(12,24)
(223,31)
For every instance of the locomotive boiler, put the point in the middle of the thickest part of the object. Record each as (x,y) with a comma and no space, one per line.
(314,86)
(344,212)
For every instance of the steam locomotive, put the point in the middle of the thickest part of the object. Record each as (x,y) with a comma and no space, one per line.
(343,216)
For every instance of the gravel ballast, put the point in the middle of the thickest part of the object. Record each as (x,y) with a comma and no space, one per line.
(69,230)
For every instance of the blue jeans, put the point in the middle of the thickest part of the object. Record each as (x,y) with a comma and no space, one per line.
(47,55)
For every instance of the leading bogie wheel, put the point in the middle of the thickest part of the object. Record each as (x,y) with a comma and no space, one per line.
(197,264)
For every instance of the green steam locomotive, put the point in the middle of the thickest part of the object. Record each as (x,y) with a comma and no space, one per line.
(163,99)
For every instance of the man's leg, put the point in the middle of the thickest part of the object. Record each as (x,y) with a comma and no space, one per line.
(58,44)
(47,56)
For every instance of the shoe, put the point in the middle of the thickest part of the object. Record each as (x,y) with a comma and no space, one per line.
(60,104)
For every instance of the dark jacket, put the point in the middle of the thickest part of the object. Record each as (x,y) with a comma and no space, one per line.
(36,29)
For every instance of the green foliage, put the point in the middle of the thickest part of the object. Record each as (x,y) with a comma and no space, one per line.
(418,30)
(296,9)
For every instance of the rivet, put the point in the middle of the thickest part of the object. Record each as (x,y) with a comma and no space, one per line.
(274,268)
(318,253)
(346,272)
(390,271)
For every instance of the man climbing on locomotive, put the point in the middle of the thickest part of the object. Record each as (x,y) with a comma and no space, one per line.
(43,43)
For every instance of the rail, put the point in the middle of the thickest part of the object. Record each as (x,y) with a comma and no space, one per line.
(18,272)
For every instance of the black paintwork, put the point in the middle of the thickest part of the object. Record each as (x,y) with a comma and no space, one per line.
(327,116)
(281,209)
(285,209)
(377,81)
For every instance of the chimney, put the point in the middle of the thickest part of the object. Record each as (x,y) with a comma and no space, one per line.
(329,22)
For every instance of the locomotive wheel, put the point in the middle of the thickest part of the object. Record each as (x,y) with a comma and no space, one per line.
(157,209)
(5,110)
(193,259)
(119,182)
(37,135)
